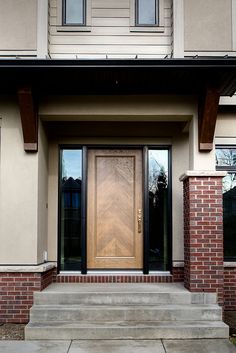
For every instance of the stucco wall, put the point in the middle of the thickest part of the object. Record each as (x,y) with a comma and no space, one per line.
(18,25)
(42,211)
(23,191)
(208,25)
(18,191)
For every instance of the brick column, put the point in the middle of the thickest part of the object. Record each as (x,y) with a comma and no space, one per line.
(203,232)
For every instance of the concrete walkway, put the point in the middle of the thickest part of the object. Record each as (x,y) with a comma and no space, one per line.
(116,346)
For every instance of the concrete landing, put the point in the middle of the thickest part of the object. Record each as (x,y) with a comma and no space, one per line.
(110,346)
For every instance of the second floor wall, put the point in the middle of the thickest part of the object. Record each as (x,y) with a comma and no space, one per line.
(110,33)
(183,28)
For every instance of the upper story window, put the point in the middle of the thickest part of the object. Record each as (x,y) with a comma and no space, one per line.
(226,160)
(147,12)
(74,12)
(74,15)
(147,15)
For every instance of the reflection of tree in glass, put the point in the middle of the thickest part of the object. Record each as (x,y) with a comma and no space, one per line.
(156,171)
(229,182)
(158,184)
(225,157)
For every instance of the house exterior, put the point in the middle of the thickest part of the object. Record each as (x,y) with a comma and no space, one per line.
(117,145)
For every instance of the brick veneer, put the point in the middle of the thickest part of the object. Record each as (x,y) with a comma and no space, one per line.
(178,274)
(16,293)
(203,235)
(230,288)
(114,279)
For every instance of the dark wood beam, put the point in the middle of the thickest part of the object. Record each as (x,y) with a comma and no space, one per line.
(29,119)
(207,115)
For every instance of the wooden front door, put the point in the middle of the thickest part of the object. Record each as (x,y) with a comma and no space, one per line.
(114,222)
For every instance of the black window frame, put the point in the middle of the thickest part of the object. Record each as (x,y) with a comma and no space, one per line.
(229,170)
(157,15)
(64,23)
(145,167)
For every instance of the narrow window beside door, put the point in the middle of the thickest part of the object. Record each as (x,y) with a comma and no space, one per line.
(70,209)
(159,209)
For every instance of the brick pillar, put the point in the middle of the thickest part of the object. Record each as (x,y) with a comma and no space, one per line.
(203,232)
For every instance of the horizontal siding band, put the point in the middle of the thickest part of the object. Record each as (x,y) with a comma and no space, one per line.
(110,12)
(110,40)
(114,31)
(104,4)
(110,22)
(110,49)
(104,56)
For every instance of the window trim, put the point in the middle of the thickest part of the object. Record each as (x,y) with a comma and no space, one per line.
(63,27)
(229,170)
(159,27)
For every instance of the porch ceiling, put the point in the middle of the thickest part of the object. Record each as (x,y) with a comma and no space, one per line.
(160,76)
(207,78)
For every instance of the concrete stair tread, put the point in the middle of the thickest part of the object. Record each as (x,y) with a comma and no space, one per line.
(119,288)
(129,324)
(126,307)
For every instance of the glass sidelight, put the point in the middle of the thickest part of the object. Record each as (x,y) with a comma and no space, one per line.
(158,209)
(70,209)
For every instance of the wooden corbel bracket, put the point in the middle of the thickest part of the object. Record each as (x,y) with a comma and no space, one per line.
(207,116)
(29,119)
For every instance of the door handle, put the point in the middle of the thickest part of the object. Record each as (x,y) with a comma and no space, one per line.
(139,221)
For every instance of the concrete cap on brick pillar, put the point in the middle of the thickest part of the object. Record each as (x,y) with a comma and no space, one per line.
(202,173)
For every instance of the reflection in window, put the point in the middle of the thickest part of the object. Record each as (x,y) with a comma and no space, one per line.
(229,207)
(70,222)
(74,12)
(158,209)
(146,12)
(226,160)
(225,157)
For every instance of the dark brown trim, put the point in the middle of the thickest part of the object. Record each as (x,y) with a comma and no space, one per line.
(29,119)
(207,115)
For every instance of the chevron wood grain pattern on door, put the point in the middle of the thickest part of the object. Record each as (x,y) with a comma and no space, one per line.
(114,240)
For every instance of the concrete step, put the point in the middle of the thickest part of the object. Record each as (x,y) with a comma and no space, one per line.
(112,294)
(93,313)
(127,330)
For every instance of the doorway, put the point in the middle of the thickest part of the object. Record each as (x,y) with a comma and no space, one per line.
(115,209)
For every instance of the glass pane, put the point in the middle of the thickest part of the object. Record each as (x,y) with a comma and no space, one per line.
(158,209)
(146,14)
(74,11)
(225,157)
(229,207)
(70,230)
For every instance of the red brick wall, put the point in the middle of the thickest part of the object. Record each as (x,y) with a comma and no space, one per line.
(16,294)
(203,235)
(113,279)
(178,274)
(230,288)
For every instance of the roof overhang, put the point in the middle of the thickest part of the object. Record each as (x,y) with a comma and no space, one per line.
(207,78)
(136,76)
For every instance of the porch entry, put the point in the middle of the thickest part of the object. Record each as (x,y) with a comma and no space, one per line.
(114,209)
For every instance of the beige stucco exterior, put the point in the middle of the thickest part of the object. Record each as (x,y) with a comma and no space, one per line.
(208,25)
(18,25)
(23,192)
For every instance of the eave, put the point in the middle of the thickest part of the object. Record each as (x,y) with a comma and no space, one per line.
(207,78)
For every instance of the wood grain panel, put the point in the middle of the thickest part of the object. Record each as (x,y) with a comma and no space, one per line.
(114,198)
